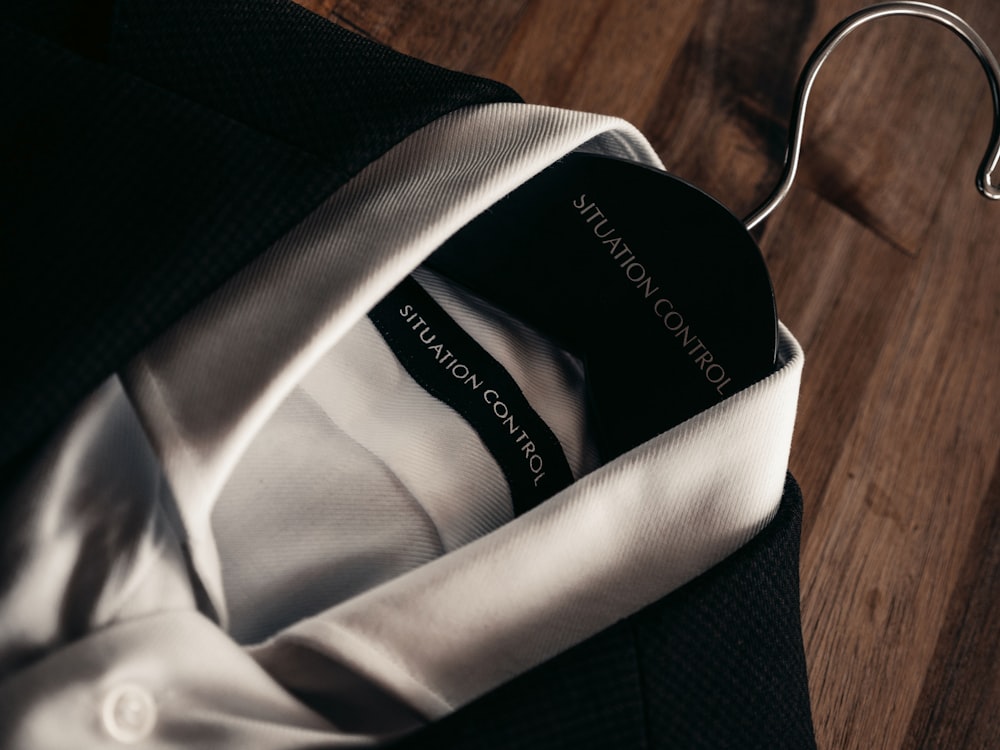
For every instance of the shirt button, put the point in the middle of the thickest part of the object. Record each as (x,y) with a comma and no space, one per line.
(129,713)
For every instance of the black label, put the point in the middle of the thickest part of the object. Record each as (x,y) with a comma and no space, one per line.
(451,366)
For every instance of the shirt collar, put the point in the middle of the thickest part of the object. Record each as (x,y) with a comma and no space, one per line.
(207,386)
(621,538)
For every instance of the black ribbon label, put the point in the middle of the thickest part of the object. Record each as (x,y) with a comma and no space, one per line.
(451,366)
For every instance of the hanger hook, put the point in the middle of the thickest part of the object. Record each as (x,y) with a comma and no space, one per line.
(985,177)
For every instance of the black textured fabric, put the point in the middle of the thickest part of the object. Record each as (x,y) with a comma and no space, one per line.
(134,188)
(717,664)
(723,660)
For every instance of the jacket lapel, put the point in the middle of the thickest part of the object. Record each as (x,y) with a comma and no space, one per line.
(141,184)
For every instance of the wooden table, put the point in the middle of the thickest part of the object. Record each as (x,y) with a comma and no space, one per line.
(886,265)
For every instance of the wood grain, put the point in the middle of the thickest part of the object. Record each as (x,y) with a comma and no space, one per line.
(886,266)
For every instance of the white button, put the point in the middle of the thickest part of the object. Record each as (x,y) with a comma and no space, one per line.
(129,713)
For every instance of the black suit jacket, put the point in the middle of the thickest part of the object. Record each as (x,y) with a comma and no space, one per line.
(151,150)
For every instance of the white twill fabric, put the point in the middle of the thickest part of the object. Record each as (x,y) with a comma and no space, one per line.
(302,518)
(294,537)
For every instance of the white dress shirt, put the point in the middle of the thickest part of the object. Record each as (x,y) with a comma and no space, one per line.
(284,511)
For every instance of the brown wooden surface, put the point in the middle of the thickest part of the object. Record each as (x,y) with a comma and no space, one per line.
(886,265)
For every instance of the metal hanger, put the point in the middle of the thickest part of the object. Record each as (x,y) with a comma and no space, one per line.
(984,178)
(631,269)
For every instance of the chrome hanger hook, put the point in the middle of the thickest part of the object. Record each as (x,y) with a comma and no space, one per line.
(985,177)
